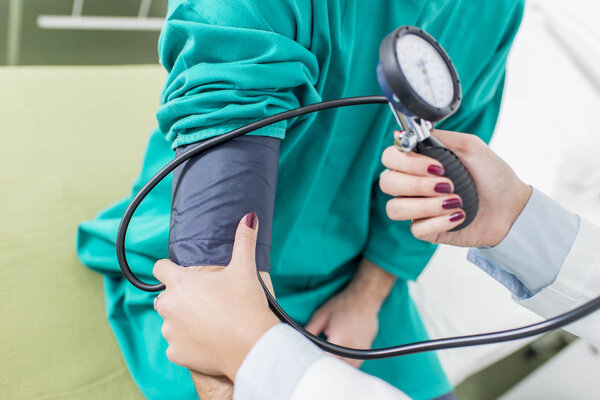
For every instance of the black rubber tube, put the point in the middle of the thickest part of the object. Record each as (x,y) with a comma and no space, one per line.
(362,354)
(437,344)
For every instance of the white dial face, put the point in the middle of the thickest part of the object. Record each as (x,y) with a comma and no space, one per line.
(425,70)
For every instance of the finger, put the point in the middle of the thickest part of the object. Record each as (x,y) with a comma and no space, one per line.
(317,323)
(165,331)
(155,303)
(401,184)
(163,304)
(341,340)
(167,271)
(244,247)
(460,143)
(351,361)
(426,228)
(174,355)
(411,163)
(407,208)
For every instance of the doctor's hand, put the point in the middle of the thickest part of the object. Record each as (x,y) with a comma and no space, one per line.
(212,319)
(424,196)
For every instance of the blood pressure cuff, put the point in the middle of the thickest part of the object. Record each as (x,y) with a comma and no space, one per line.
(213,191)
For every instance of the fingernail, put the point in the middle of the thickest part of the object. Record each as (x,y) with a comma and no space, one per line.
(435,170)
(452,203)
(251,220)
(443,188)
(457,216)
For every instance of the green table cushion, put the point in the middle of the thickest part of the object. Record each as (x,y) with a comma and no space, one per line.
(72,142)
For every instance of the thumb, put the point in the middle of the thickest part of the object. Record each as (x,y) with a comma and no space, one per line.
(167,271)
(317,322)
(455,141)
(244,247)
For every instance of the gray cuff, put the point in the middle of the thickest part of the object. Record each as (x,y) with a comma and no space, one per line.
(213,191)
(275,365)
(537,244)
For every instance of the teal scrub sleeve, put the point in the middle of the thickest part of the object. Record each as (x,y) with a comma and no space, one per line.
(390,244)
(230,63)
(483,75)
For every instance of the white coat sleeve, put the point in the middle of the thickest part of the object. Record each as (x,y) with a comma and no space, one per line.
(283,365)
(332,379)
(577,282)
(550,261)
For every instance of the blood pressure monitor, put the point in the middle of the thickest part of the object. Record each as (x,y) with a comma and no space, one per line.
(422,87)
(419,75)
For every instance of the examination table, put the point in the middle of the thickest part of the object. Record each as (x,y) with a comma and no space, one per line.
(72,141)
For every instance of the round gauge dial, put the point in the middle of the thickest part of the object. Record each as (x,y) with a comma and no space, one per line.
(417,76)
(425,70)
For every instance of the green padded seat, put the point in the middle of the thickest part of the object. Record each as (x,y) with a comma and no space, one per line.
(72,143)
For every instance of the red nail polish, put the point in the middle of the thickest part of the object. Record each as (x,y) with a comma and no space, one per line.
(452,203)
(443,188)
(457,216)
(436,170)
(251,220)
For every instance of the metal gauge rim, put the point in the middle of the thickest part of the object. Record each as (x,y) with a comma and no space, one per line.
(407,96)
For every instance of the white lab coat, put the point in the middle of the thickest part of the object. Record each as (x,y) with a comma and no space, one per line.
(578,282)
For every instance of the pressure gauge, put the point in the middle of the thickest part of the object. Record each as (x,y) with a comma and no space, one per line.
(420,78)
(422,87)
(425,70)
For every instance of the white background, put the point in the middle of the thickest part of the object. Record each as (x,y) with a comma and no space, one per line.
(548,132)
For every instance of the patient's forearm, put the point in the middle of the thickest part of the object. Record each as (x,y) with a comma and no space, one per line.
(212,387)
(372,283)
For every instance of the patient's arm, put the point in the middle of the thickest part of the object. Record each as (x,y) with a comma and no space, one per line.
(351,317)
(211,192)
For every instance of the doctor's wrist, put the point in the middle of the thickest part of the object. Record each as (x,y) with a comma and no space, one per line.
(519,196)
(247,336)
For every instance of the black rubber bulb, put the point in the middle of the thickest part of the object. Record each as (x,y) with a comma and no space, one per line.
(464,186)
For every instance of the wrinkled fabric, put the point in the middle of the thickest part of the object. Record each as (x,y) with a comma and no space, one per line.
(233,62)
(213,191)
(519,265)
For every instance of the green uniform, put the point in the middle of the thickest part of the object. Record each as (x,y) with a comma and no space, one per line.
(233,62)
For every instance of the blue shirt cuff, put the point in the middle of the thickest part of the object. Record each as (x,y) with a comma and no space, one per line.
(531,255)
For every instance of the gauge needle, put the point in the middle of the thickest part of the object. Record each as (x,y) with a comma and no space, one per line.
(422,64)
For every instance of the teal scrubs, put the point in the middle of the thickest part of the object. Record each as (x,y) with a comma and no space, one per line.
(233,62)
